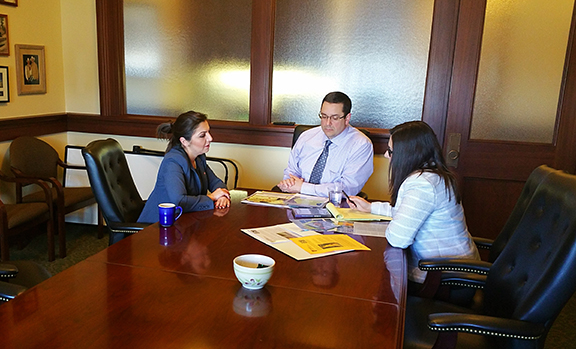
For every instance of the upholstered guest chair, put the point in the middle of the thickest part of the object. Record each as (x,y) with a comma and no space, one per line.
(525,289)
(114,188)
(31,157)
(437,283)
(18,276)
(19,218)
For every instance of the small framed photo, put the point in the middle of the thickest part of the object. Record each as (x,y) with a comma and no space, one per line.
(9,2)
(4,90)
(4,44)
(30,69)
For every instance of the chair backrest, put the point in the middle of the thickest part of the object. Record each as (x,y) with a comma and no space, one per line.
(298,131)
(227,166)
(34,157)
(533,181)
(112,182)
(533,278)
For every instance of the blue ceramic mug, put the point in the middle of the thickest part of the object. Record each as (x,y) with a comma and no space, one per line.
(167,213)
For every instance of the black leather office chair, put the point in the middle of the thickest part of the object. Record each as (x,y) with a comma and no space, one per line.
(526,288)
(438,283)
(18,276)
(114,188)
(301,128)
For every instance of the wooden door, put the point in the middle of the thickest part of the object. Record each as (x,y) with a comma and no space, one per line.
(492,172)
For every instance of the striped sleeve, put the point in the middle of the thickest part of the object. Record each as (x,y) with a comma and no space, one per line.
(418,202)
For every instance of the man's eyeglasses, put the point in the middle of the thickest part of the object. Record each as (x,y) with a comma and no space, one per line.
(389,151)
(332,117)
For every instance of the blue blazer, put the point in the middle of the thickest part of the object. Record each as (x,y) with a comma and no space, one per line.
(179,183)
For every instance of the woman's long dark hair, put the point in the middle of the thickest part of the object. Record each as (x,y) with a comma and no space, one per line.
(416,148)
(184,126)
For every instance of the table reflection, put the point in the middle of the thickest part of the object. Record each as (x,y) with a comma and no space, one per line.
(186,250)
(389,287)
(169,236)
(252,303)
(325,272)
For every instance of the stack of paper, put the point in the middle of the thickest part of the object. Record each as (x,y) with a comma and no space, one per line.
(303,244)
(349,214)
(285,200)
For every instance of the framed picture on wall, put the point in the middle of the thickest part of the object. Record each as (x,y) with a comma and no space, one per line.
(4,44)
(30,69)
(9,2)
(4,90)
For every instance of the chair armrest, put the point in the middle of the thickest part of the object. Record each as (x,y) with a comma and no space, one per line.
(30,180)
(485,325)
(483,243)
(470,280)
(455,264)
(127,228)
(9,291)
(68,166)
(8,271)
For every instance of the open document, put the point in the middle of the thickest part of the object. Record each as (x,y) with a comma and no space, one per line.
(349,214)
(285,200)
(287,237)
(318,244)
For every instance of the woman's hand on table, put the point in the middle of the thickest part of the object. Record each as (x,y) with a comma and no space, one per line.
(222,202)
(360,204)
(219,193)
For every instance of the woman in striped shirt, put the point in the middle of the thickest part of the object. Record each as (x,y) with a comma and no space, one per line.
(427,215)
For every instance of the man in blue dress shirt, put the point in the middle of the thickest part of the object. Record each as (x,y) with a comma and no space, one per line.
(332,152)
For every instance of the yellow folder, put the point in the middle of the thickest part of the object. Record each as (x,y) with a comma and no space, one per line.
(349,214)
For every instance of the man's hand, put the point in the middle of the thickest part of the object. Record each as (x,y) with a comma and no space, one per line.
(291,185)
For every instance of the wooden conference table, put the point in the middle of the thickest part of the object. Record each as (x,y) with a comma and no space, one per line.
(175,288)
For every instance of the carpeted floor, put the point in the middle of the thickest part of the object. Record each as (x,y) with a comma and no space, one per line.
(82,242)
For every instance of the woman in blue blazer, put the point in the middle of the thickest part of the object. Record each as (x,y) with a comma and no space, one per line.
(184,178)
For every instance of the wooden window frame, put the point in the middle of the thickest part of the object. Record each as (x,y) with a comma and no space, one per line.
(113,118)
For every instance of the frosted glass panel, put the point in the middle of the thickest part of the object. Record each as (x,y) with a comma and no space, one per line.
(521,64)
(376,51)
(188,54)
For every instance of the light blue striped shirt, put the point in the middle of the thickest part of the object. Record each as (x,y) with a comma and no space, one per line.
(428,222)
(350,160)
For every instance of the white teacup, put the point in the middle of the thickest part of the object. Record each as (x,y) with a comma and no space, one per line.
(253,270)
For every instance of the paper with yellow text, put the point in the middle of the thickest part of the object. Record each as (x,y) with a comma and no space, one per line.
(327,243)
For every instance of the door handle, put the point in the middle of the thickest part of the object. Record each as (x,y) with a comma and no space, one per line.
(453,151)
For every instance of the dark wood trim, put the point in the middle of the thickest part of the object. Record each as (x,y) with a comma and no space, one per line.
(466,55)
(258,131)
(566,128)
(223,131)
(32,126)
(440,62)
(109,22)
(493,160)
(262,61)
